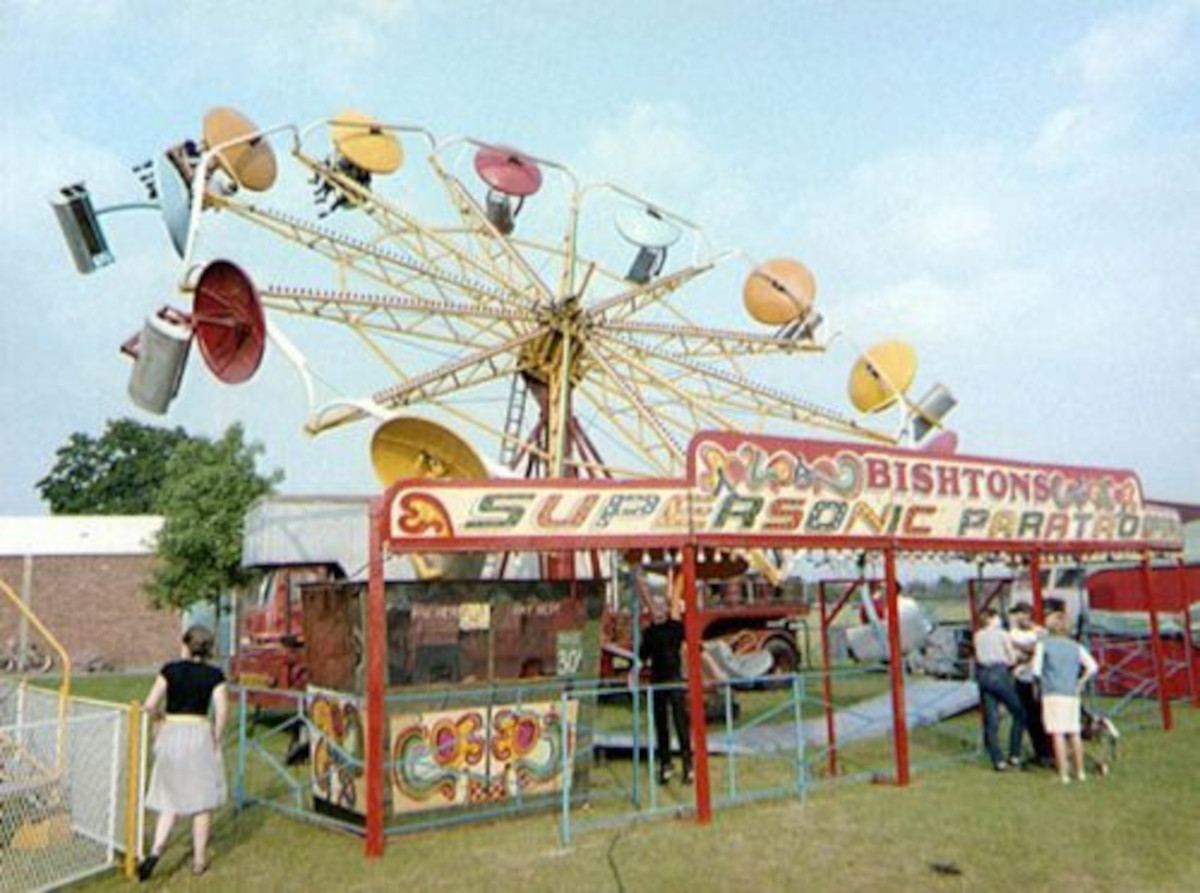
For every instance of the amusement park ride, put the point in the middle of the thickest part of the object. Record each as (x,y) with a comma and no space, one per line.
(495,294)
(522,295)
(556,321)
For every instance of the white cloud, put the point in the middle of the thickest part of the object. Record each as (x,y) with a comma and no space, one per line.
(1075,131)
(942,214)
(382,10)
(651,143)
(1136,49)
(1118,70)
(1052,289)
(656,150)
(72,16)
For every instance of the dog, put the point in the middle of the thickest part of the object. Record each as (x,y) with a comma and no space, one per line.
(1100,737)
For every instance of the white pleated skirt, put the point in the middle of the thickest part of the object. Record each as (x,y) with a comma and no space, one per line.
(189,772)
(1060,714)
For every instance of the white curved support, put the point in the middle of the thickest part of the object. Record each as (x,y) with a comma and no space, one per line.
(200,178)
(294,356)
(343,411)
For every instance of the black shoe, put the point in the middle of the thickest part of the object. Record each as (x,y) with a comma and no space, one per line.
(147,868)
(664,775)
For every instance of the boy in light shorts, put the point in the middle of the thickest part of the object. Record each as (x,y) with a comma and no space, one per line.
(1063,668)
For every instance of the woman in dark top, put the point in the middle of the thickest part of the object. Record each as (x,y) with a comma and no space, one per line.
(189,776)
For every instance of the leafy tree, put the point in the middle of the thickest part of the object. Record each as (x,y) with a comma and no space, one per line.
(208,487)
(947,588)
(119,473)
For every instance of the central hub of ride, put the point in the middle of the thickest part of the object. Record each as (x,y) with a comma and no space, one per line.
(563,327)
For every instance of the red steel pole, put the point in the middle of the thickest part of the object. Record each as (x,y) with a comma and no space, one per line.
(976,589)
(1035,585)
(1160,670)
(1189,645)
(896,666)
(691,618)
(376,619)
(827,688)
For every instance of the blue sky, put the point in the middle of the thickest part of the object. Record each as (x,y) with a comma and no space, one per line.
(1011,187)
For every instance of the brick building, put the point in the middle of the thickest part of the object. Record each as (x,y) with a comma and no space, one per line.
(83,577)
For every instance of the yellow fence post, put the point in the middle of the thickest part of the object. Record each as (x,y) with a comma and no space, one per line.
(132,788)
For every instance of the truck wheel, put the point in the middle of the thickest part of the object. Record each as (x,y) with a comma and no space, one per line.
(785,658)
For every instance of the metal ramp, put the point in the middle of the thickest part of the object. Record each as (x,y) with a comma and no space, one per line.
(925,703)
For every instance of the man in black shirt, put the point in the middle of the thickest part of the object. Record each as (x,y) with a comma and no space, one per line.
(662,643)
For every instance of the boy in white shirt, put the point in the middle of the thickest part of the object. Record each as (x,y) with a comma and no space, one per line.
(1025,634)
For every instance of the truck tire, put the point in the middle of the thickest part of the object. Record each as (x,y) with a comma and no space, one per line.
(785,658)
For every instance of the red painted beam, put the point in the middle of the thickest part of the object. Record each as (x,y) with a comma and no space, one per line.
(376,665)
(691,622)
(896,667)
(1160,667)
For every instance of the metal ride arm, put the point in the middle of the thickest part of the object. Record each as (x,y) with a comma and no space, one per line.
(342,411)
(762,399)
(394,269)
(618,396)
(701,341)
(488,238)
(381,313)
(199,192)
(481,367)
(64,686)
(418,238)
(702,247)
(650,418)
(699,409)
(472,286)
(484,365)
(628,303)
(478,223)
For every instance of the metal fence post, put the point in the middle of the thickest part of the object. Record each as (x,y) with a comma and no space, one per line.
(568,764)
(651,738)
(730,757)
(143,765)
(635,671)
(239,784)
(132,787)
(798,718)
(299,797)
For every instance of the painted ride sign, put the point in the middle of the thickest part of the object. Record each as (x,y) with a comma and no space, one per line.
(762,491)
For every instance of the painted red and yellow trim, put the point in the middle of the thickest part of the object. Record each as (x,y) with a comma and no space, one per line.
(762,491)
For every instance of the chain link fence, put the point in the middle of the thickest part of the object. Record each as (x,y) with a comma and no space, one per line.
(62,788)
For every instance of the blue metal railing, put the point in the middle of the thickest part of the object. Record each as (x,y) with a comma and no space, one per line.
(603,765)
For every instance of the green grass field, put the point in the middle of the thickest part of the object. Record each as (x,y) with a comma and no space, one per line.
(957,827)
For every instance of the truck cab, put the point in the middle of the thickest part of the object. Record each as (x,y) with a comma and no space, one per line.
(270,651)
(1061,584)
(749,613)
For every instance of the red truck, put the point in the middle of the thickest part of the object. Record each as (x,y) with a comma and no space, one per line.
(750,613)
(270,651)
